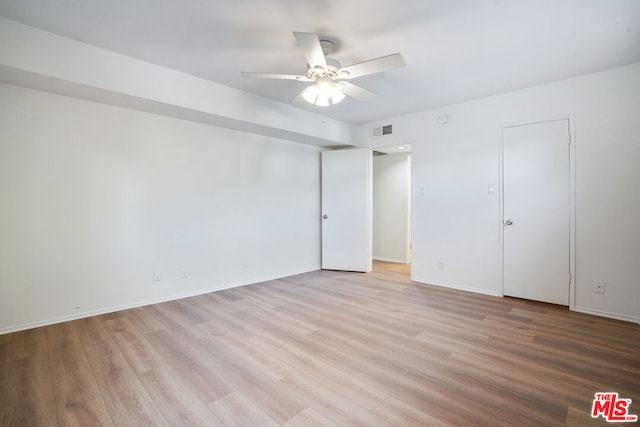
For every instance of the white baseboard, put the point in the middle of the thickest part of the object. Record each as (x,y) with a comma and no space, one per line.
(399,261)
(113,309)
(608,314)
(458,287)
(600,313)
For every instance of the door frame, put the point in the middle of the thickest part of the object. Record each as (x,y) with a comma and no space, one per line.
(410,200)
(572,200)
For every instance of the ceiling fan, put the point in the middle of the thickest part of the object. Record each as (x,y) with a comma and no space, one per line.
(328,75)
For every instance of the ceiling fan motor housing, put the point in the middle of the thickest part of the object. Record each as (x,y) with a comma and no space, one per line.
(333,66)
(332,70)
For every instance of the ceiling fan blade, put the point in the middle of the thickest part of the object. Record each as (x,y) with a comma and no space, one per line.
(356,91)
(372,66)
(276,76)
(310,45)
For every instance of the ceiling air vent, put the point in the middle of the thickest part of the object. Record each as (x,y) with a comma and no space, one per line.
(382,130)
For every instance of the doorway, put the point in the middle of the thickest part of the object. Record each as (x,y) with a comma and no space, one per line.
(348,211)
(536,211)
(392,204)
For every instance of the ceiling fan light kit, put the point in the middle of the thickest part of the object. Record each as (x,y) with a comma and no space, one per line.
(326,73)
(323,93)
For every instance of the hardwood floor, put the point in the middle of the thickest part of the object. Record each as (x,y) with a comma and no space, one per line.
(322,349)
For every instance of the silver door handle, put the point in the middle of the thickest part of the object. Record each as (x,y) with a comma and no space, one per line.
(508,222)
(324,217)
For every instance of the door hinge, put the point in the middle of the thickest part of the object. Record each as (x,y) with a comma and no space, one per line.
(569,278)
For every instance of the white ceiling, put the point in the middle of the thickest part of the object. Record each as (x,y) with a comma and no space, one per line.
(455,50)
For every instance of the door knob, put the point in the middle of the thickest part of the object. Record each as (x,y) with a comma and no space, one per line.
(508,221)
(324,216)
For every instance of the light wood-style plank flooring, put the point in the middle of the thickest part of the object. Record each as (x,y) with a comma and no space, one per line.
(322,349)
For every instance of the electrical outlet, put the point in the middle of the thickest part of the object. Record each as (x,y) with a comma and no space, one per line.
(598,287)
(441,264)
(243,264)
(183,274)
(156,276)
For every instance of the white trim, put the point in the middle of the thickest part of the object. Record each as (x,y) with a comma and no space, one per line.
(543,119)
(600,313)
(85,314)
(396,260)
(501,216)
(572,211)
(457,287)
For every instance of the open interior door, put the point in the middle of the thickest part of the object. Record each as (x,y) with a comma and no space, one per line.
(347,233)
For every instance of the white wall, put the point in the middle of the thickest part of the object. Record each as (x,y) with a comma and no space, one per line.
(391,207)
(95,198)
(456,220)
